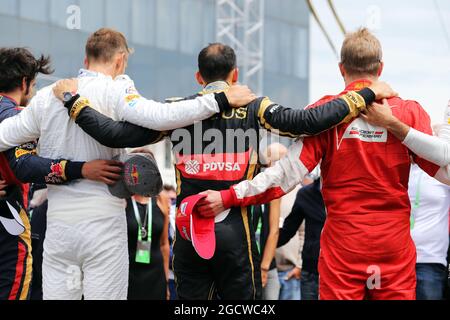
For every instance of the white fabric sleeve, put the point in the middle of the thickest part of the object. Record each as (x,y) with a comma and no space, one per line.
(21,128)
(443,175)
(433,149)
(132,107)
(275,181)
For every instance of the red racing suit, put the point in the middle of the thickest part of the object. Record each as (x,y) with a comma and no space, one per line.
(366,247)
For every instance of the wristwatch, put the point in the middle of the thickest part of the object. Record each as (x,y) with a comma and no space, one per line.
(67,96)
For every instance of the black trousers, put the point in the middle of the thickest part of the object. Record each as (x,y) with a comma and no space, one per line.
(234,271)
(15,259)
(38,228)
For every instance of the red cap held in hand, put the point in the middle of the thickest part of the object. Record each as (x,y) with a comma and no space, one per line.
(193,227)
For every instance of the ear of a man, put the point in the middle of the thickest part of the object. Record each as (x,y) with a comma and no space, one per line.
(341,68)
(24,85)
(235,75)
(380,71)
(199,78)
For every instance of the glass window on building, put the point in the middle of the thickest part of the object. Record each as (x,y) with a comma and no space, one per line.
(36,10)
(273,8)
(9,7)
(285,47)
(92,14)
(191,35)
(209,22)
(143,22)
(118,15)
(300,56)
(271,57)
(167,18)
(58,11)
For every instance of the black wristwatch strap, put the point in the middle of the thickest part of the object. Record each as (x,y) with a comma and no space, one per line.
(69,104)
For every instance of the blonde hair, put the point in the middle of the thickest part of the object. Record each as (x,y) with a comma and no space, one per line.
(104,43)
(361,53)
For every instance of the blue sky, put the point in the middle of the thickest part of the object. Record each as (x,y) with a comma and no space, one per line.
(416,52)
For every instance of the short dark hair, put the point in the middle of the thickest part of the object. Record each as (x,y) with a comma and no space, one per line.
(19,63)
(167,187)
(216,61)
(104,43)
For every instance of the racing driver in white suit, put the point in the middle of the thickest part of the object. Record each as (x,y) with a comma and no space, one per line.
(85,249)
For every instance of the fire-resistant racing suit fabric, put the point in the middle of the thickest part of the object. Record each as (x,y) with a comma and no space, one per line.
(73,204)
(366,247)
(433,149)
(18,166)
(233,272)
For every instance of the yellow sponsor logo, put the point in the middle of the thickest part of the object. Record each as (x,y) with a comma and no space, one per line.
(240,113)
(22,152)
(129,98)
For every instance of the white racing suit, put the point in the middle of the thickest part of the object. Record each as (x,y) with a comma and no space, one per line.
(85,250)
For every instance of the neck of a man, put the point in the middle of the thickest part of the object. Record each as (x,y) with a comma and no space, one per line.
(14,95)
(141,199)
(106,69)
(217,85)
(350,79)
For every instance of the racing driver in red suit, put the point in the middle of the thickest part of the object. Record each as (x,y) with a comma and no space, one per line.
(366,248)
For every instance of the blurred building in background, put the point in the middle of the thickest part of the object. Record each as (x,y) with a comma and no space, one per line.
(167,36)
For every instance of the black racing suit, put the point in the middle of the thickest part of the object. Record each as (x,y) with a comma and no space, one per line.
(18,166)
(207,158)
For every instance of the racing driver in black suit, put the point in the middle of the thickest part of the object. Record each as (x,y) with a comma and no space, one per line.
(215,154)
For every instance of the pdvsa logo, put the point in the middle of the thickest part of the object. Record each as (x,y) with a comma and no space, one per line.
(221,166)
(192,167)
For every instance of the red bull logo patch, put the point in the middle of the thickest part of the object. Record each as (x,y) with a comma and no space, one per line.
(134,175)
(57,169)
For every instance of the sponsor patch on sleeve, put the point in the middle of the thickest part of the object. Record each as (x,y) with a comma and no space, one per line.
(132,99)
(131,90)
(26,148)
(57,173)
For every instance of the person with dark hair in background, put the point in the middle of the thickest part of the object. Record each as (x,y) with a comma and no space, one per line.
(148,218)
(233,272)
(288,257)
(265,219)
(308,208)
(171,195)
(20,165)
(37,209)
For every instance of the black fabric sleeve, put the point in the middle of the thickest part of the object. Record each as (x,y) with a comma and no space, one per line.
(295,122)
(368,95)
(74,170)
(222,101)
(292,222)
(29,167)
(114,134)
